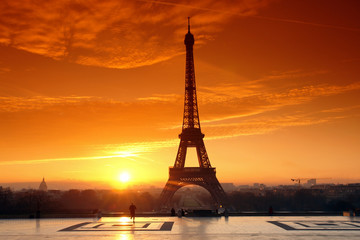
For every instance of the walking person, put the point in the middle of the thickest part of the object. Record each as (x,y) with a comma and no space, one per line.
(172,212)
(132,209)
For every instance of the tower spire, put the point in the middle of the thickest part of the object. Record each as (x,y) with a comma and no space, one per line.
(188,24)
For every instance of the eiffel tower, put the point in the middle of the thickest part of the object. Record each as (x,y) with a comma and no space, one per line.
(191,136)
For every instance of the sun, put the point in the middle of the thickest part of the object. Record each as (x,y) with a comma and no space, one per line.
(124,177)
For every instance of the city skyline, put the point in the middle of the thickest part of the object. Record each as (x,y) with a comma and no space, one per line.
(90,91)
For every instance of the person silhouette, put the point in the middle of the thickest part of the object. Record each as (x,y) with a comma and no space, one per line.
(132,209)
(271,211)
(172,212)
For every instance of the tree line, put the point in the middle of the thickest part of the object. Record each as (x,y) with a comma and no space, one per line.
(30,201)
(299,200)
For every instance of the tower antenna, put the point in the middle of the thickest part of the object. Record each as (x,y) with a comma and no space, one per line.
(188,24)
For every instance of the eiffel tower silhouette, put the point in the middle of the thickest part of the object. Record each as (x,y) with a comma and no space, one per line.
(191,136)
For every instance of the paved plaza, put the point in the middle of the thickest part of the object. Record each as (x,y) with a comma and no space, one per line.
(185,228)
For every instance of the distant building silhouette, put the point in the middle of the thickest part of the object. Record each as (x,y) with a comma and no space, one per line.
(311,182)
(228,187)
(43,186)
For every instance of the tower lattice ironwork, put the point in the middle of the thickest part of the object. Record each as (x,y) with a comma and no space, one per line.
(191,136)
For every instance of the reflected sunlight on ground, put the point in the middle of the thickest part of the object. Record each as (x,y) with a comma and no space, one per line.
(174,228)
(124,236)
(124,220)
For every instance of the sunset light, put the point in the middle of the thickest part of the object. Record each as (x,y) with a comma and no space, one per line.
(124,177)
(179,119)
(93,92)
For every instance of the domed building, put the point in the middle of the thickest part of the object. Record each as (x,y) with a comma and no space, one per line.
(43,186)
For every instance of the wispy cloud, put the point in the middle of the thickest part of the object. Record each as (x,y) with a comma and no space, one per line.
(217,103)
(340,109)
(261,113)
(235,110)
(161,98)
(137,147)
(4,70)
(287,20)
(226,110)
(307,93)
(119,34)
(289,75)
(244,8)
(137,151)
(252,12)
(264,125)
(15,104)
(49,160)
(128,151)
(236,101)
(111,33)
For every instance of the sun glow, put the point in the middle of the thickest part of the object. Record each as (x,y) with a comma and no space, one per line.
(124,177)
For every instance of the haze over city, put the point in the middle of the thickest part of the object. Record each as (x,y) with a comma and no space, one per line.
(91,92)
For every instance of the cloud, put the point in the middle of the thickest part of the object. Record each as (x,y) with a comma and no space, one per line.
(136,151)
(115,34)
(242,100)
(137,148)
(340,109)
(127,151)
(65,122)
(161,98)
(289,75)
(344,28)
(260,111)
(16,104)
(264,125)
(107,128)
(4,70)
(49,160)
(307,93)
(217,103)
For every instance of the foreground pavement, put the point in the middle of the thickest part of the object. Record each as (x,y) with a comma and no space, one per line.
(184,228)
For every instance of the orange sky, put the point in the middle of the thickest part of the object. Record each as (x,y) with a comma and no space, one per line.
(89,89)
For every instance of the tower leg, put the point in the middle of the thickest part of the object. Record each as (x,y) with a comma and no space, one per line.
(181,155)
(217,192)
(202,155)
(168,192)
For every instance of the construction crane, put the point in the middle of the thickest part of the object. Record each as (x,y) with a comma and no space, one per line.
(298,180)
